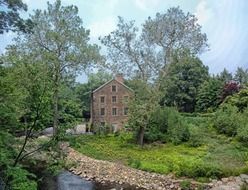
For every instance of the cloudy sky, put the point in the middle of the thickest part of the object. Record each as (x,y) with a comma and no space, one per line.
(224,21)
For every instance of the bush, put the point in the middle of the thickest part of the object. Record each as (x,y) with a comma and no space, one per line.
(178,130)
(134,163)
(185,185)
(158,125)
(196,134)
(166,124)
(242,134)
(227,120)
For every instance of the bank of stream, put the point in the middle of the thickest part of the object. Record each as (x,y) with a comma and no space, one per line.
(66,180)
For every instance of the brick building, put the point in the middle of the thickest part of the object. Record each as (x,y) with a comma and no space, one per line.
(109,103)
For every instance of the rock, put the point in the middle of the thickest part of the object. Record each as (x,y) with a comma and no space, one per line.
(47,132)
(172,186)
(225,180)
(244,178)
(80,129)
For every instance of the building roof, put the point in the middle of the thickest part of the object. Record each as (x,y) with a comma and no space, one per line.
(100,87)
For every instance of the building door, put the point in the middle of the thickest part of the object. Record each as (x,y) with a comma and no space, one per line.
(115,127)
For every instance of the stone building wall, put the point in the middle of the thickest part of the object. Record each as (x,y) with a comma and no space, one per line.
(122,95)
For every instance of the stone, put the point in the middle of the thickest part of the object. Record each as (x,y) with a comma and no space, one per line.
(225,180)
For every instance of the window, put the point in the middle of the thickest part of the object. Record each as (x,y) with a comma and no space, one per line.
(102,111)
(114,88)
(113,99)
(102,99)
(125,111)
(125,98)
(114,111)
(102,123)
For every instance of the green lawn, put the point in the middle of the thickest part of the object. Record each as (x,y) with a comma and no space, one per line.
(219,156)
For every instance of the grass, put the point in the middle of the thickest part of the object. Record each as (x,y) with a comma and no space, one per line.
(218,156)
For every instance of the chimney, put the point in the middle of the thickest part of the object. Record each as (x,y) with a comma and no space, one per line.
(119,78)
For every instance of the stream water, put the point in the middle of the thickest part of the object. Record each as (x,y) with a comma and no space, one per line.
(68,181)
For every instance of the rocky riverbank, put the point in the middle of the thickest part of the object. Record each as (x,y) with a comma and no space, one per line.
(108,172)
(105,172)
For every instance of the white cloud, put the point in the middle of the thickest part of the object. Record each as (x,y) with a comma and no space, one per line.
(203,13)
(102,27)
(147,4)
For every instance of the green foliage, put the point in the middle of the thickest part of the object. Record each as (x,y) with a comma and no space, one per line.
(18,178)
(227,120)
(134,163)
(185,185)
(196,134)
(21,179)
(158,125)
(244,186)
(239,99)
(242,134)
(225,76)
(182,81)
(83,91)
(218,156)
(178,131)
(10,18)
(241,76)
(209,95)
(141,108)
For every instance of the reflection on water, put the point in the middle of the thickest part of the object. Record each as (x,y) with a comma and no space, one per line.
(68,181)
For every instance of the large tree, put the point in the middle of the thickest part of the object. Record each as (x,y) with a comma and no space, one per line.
(145,54)
(209,95)
(174,31)
(184,76)
(60,41)
(10,19)
(126,52)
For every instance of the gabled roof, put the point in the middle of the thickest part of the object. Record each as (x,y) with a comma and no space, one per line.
(110,82)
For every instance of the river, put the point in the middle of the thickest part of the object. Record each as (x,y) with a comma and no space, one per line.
(68,181)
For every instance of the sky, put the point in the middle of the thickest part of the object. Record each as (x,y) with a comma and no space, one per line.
(224,21)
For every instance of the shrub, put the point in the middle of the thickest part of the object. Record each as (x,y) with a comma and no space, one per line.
(178,130)
(185,185)
(158,125)
(227,120)
(242,134)
(196,135)
(134,163)
(166,124)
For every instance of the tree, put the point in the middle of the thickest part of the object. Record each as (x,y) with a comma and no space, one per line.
(209,95)
(241,76)
(83,91)
(185,74)
(225,76)
(26,104)
(10,19)
(240,99)
(146,55)
(141,108)
(229,89)
(126,51)
(60,41)
(174,31)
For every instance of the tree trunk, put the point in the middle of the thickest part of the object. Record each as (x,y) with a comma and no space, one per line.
(55,106)
(141,136)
